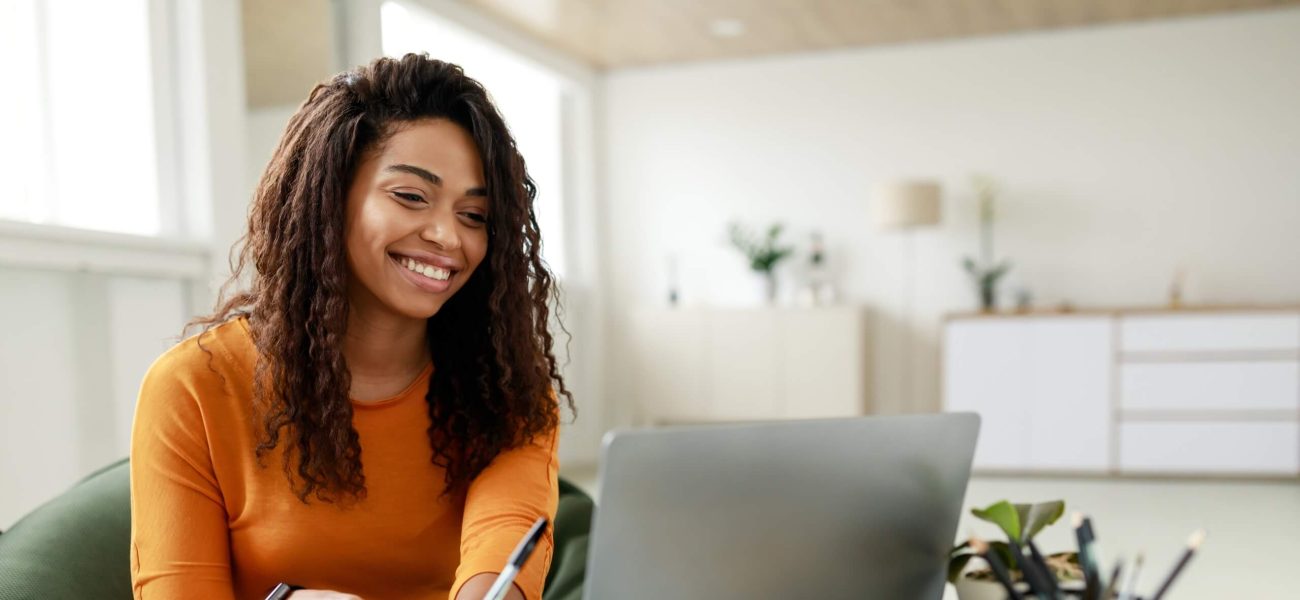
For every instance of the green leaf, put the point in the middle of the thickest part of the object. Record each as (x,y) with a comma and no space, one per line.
(762,252)
(1002,514)
(1034,517)
(958,564)
(1003,550)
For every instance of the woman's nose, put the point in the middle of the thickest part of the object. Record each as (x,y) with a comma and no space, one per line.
(441,230)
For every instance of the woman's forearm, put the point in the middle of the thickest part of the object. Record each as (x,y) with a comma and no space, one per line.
(478,586)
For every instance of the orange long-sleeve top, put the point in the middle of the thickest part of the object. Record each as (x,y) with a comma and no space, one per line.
(208,522)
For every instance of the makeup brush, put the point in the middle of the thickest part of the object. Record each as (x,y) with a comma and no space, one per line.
(995,565)
(1193,543)
(1112,584)
(1130,590)
(1040,562)
(1041,589)
(1087,556)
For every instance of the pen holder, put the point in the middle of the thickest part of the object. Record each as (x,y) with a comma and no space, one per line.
(977,589)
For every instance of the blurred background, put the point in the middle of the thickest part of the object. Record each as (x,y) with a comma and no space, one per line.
(1079,218)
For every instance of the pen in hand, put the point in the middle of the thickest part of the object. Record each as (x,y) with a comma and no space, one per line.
(517,560)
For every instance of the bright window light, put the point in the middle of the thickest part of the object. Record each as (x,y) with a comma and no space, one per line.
(81,112)
(528,96)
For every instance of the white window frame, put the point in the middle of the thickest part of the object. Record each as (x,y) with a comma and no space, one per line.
(197,69)
(160,26)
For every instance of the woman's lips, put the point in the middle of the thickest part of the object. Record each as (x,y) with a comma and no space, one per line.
(426,284)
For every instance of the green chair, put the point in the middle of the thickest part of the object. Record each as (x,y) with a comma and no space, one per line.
(77,545)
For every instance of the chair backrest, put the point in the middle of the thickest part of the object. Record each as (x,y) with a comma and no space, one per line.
(74,546)
(77,545)
(573,521)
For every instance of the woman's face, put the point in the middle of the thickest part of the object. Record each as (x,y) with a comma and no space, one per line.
(416,224)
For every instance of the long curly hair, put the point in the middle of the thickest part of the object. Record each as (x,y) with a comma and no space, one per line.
(496,384)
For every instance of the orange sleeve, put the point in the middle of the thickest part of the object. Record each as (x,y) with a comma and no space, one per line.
(501,505)
(179,534)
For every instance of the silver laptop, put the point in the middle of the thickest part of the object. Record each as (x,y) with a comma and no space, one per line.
(845,508)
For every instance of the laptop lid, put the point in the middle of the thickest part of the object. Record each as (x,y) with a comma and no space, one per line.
(844,508)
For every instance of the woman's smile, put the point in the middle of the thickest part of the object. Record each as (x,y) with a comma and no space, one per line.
(423,276)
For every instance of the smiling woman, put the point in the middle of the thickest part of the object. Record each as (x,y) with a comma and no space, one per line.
(392,356)
(416,220)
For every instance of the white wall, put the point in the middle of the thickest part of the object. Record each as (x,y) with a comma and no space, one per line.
(1125,153)
(86,313)
(76,346)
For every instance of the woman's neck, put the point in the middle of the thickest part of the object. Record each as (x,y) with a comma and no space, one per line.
(384,347)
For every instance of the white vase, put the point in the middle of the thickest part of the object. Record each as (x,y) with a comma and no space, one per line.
(976,589)
(769,288)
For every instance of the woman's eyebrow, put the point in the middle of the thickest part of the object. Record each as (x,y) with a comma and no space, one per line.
(417,171)
(431,177)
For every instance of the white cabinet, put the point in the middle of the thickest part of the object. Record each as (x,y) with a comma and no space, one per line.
(1209,393)
(1041,387)
(1209,385)
(1209,332)
(1204,393)
(723,365)
(1210,448)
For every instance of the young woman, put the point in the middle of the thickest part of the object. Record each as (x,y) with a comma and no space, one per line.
(376,415)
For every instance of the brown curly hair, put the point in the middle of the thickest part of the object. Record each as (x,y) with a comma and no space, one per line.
(496,385)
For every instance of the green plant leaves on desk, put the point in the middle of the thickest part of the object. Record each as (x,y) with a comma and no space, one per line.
(1021,521)
(762,251)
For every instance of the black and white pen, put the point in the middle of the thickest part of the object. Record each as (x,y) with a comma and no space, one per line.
(517,560)
(281,591)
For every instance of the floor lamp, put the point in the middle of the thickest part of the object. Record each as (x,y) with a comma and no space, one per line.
(905,206)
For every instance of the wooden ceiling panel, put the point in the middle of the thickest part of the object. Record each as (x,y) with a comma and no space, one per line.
(628,33)
(287,49)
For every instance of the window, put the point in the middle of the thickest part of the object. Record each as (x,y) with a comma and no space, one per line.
(528,96)
(78,109)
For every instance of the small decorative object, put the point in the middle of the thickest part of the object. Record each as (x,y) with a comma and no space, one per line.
(819,291)
(984,272)
(1024,300)
(1016,561)
(673,295)
(762,252)
(1176,288)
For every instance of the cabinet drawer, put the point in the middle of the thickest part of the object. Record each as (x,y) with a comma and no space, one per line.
(1240,385)
(1210,448)
(1209,333)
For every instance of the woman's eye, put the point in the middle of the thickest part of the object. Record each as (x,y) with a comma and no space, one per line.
(475,217)
(409,197)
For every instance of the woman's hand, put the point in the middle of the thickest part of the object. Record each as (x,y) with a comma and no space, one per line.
(321,595)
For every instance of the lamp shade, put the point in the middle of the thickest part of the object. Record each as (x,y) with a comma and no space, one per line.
(903,204)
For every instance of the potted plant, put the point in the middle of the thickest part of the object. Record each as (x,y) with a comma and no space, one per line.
(984,271)
(1019,522)
(763,253)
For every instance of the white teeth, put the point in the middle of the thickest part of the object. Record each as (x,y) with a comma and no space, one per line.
(429,271)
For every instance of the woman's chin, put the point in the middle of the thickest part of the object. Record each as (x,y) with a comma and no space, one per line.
(414,309)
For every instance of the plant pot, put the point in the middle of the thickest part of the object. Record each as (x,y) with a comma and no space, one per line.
(769,287)
(988,297)
(978,589)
